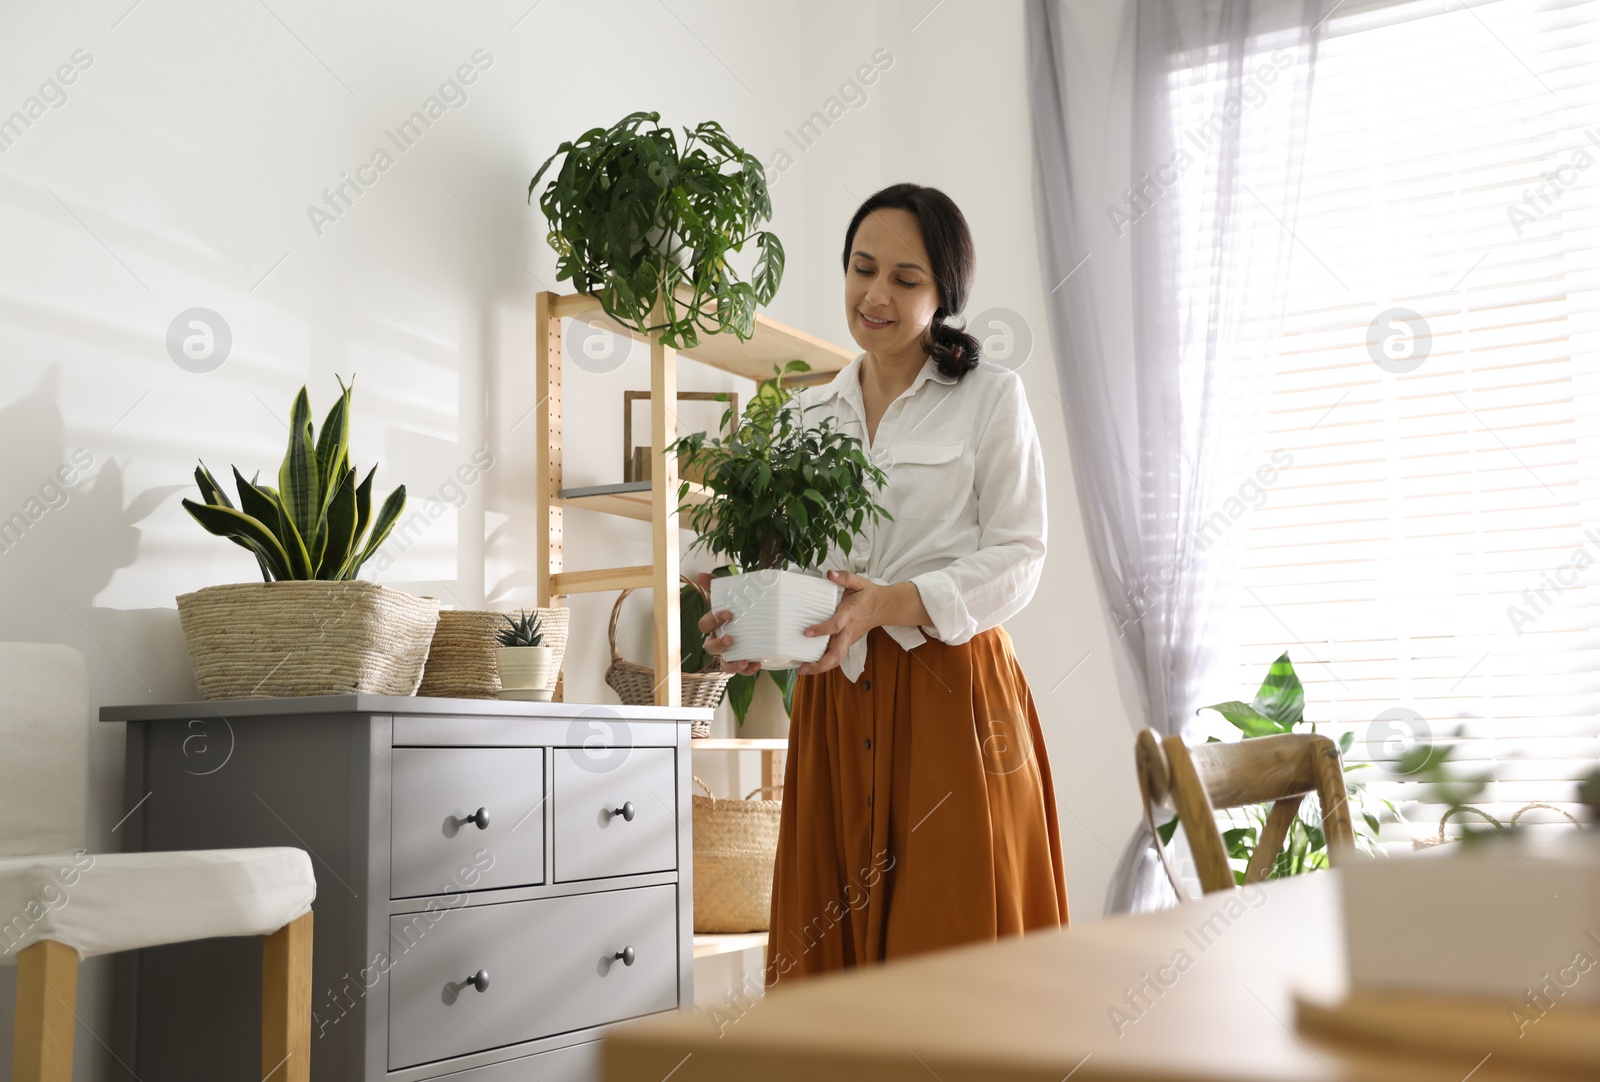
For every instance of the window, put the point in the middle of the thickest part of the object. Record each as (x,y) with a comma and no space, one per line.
(1431,557)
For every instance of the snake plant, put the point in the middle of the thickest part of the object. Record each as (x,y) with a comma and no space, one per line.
(311,525)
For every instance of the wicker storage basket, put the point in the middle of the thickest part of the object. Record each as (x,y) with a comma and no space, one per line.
(462,662)
(735,844)
(1444,821)
(264,640)
(635,685)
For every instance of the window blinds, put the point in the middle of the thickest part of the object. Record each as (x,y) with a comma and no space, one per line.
(1430,558)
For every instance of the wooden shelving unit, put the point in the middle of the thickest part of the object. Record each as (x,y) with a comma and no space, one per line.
(773,343)
(655,502)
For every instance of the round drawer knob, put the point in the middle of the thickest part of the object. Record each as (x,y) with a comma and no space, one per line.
(480,980)
(481,817)
(626,811)
(626,954)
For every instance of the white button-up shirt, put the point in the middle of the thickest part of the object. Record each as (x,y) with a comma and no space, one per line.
(965,484)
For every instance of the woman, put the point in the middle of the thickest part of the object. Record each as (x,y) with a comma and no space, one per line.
(919,811)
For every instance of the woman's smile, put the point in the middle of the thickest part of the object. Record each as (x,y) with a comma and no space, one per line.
(873,324)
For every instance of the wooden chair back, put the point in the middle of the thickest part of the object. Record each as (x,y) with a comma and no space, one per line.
(1201,780)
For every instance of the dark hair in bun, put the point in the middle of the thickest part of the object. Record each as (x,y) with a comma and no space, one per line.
(949,242)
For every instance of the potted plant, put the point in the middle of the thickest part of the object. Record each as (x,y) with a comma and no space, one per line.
(1279,707)
(310,627)
(647,226)
(780,493)
(527,666)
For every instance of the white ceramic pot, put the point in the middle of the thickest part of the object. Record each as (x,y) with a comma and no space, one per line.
(526,667)
(771,610)
(766,719)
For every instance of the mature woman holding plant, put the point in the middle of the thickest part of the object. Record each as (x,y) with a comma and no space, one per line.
(919,811)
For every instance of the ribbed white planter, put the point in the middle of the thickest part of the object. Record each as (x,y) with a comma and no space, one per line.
(524,668)
(771,611)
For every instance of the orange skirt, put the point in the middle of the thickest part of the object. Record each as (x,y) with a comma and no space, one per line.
(918,809)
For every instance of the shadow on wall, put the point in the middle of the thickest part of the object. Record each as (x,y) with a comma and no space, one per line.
(64,531)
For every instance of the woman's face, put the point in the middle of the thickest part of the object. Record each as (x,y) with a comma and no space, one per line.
(889,292)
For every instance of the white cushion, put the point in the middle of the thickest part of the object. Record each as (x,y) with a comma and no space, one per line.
(100,903)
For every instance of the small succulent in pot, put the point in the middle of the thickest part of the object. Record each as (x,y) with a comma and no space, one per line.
(527,667)
(523,631)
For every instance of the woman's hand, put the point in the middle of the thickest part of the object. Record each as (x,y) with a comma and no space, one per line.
(856,615)
(715,644)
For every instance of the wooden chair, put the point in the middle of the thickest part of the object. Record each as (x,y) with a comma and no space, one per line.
(59,903)
(1202,780)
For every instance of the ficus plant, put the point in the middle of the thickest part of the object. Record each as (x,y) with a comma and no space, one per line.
(311,526)
(634,216)
(1279,707)
(780,491)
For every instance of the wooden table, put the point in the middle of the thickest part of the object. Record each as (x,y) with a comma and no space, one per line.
(1218,977)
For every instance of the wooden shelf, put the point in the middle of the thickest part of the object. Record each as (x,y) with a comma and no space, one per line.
(631,500)
(772,343)
(707,945)
(722,743)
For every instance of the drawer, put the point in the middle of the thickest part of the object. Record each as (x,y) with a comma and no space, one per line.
(551,966)
(575,1063)
(594,836)
(434,848)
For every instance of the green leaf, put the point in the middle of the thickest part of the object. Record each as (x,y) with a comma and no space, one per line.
(1246,718)
(300,565)
(1167,830)
(1346,741)
(333,444)
(340,534)
(1239,842)
(210,491)
(231,523)
(692,605)
(1281,697)
(741,690)
(299,485)
(786,680)
(380,530)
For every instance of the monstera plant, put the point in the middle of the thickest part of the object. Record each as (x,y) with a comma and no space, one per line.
(641,221)
(312,525)
(310,627)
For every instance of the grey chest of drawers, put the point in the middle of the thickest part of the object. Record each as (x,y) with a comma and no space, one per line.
(497,883)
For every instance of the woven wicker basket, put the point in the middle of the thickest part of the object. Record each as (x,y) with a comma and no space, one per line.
(1444,821)
(635,685)
(265,640)
(735,844)
(461,662)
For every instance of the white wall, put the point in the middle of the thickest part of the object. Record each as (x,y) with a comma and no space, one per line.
(177,174)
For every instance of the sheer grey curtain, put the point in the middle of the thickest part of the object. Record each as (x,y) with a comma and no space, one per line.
(1168,139)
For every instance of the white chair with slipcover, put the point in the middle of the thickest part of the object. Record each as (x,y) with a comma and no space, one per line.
(59,903)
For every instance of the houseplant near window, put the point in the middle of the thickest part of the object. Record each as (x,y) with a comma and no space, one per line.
(781,493)
(1279,707)
(647,226)
(310,627)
